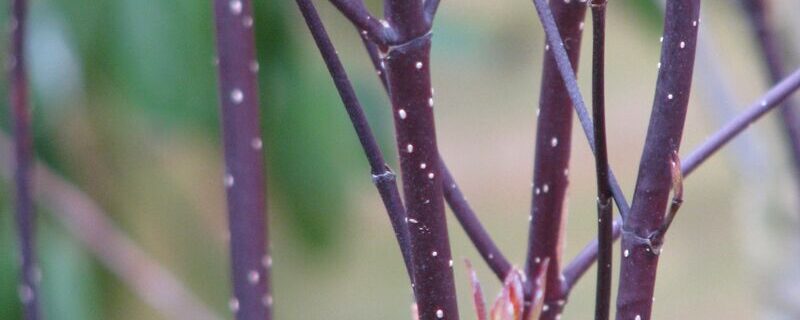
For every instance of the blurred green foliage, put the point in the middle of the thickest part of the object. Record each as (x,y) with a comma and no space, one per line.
(117,67)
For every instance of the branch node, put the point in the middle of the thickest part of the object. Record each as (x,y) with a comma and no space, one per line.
(405,46)
(386,176)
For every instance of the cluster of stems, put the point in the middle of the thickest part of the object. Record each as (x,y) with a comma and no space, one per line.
(399,46)
(400,54)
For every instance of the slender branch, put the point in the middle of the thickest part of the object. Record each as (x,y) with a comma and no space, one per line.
(372,51)
(756,11)
(383,177)
(586,258)
(605,214)
(551,161)
(378,31)
(85,221)
(244,159)
(640,261)
(769,101)
(472,226)
(23,164)
(408,72)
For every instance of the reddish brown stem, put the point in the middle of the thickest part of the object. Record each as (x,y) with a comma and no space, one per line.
(408,74)
(551,159)
(455,199)
(244,159)
(640,261)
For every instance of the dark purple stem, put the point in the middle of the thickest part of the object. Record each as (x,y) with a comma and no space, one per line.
(382,176)
(769,101)
(23,170)
(756,11)
(455,199)
(244,159)
(605,214)
(565,69)
(408,73)
(551,160)
(472,226)
(640,261)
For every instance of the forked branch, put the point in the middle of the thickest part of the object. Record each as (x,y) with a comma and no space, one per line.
(769,101)
(377,30)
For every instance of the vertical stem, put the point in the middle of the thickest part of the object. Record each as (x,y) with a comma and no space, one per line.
(756,11)
(551,160)
(605,216)
(23,170)
(244,159)
(455,199)
(640,261)
(408,72)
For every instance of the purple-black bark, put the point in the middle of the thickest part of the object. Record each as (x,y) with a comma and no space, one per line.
(640,260)
(408,73)
(551,160)
(244,159)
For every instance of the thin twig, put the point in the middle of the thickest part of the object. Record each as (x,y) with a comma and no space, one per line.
(472,226)
(605,214)
(551,161)
(756,12)
(23,164)
(769,101)
(383,177)
(86,221)
(244,159)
